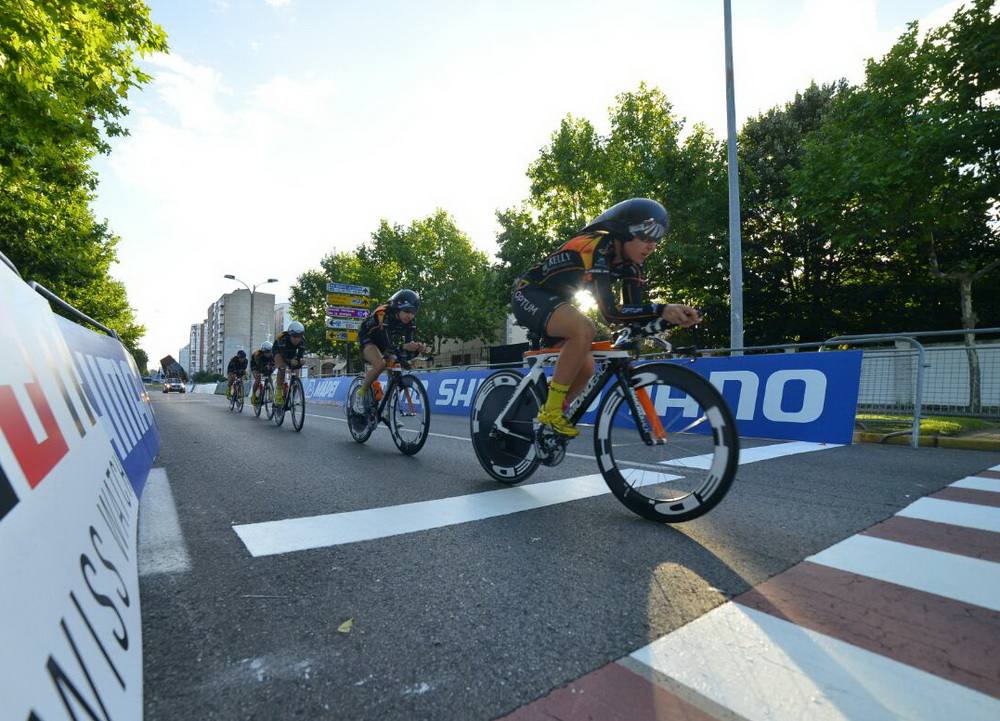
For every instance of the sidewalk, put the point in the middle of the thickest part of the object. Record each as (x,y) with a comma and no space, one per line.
(899,621)
(974,440)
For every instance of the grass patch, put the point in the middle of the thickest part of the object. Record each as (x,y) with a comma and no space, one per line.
(937,425)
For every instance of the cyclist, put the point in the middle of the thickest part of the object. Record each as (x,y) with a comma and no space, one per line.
(288,349)
(386,328)
(237,368)
(261,365)
(611,249)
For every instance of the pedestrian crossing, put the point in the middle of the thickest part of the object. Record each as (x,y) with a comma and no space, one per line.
(900,621)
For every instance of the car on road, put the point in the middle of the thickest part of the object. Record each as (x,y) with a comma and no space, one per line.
(173,384)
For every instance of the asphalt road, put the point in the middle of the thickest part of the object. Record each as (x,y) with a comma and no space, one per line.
(464,621)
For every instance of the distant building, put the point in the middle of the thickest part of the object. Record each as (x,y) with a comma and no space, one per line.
(227,327)
(282,316)
(196,344)
(184,358)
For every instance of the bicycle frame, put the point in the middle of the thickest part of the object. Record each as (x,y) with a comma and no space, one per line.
(616,363)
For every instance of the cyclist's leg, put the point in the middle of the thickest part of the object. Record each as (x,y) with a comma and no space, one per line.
(229,386)
(372,354)
(279,387)
(574,367)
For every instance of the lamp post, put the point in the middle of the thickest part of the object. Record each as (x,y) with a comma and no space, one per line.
(735,240)
(252,291)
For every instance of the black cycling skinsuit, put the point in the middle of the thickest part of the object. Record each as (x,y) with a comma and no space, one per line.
(291,353)
(384,330)
(584,262)
(237,365)
(261,362)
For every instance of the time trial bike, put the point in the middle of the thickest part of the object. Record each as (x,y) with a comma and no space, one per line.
(664,438)
(236,395)
(403,406)
(294,401)
(262,397)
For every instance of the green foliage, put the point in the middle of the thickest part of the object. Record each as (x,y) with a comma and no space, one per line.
(207,377)
(65,72)
(431,256)
(904,171)
(141,360)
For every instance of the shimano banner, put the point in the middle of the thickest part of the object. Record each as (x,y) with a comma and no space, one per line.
(788,396)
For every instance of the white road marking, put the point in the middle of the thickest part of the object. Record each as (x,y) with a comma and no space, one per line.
(161,542)
(985,518)
(299,534)
(762,667)
(971,580)
(757,453)
(978,483)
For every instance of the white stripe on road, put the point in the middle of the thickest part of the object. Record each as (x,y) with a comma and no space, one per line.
(762,667)
(757,453)
(299,534)
(161,542)
(977,483)
(970,515)
(971,580)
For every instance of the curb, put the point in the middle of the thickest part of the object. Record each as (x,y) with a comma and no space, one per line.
(929,441)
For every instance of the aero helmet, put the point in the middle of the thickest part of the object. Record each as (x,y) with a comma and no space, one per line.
(266,346)
(241,353)
(296,328)
(405,299)
(640,218)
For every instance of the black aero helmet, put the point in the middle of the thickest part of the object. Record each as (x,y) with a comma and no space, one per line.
(405,299)
(241,354)
(634,218)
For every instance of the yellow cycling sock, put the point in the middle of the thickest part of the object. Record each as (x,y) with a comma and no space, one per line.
(557,394)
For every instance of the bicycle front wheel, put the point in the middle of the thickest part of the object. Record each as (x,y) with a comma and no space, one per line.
(257,398)
(238,396)
(269,399)
(691,468)
(360,425)
(409,415)
(297,403)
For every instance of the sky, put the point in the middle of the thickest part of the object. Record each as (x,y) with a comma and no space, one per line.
(277,131)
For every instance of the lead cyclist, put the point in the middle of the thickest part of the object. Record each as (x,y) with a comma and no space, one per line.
(610,250)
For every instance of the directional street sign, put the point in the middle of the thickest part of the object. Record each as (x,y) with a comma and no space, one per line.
(338,312)
(347,288)
(358,301)
(341,324)
(348,335)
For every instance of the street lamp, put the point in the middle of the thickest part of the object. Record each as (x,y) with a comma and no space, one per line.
(252,291)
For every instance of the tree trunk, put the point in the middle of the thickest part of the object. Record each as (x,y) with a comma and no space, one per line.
(969,323)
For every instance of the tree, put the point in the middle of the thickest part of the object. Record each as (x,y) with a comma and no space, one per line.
(431,256)
(907,167)
(65,72)
(141,360)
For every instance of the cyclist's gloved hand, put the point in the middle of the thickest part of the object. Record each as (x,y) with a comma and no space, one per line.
(682,315)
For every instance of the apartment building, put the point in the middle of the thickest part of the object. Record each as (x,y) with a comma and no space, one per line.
(227,327)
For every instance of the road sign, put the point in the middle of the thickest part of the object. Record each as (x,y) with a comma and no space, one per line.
(348,335)
(338,312)
(347,288)
(342,324)
(360,301)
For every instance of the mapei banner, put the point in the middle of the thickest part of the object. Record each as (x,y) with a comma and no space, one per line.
(77,438)
(787,396)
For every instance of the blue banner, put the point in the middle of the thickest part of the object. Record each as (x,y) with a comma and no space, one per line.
(115,391)
(788,396)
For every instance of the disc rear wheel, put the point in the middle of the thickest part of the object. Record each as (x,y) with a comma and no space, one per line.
(507,457)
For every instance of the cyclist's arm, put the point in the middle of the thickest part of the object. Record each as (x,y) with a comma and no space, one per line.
(633,309)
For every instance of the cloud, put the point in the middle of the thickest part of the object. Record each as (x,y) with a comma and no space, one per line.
(278,3)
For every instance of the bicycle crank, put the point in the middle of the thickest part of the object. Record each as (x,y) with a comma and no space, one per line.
(550,446)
